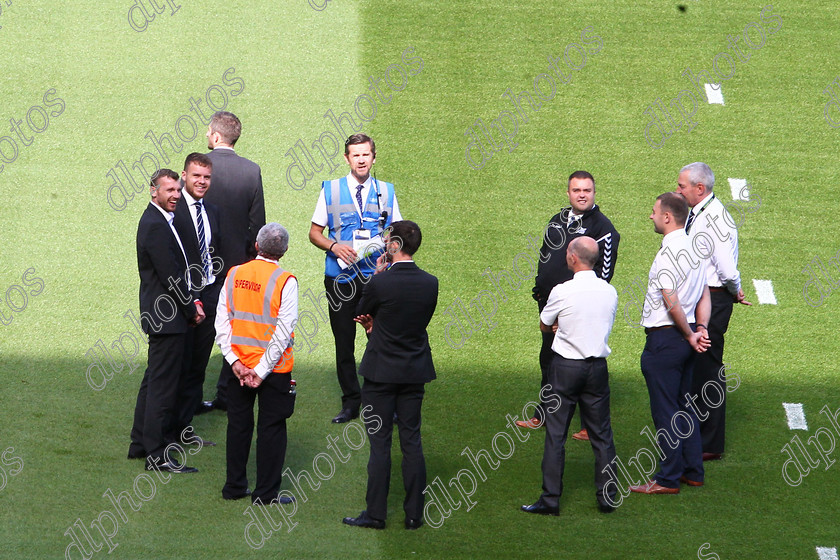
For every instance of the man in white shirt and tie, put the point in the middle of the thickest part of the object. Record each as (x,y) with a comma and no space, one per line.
(715,238)
(583,311)
(198,225)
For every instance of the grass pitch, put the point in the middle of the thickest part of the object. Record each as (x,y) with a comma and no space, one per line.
(295,63)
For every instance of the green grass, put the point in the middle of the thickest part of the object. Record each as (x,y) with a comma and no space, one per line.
(296,63)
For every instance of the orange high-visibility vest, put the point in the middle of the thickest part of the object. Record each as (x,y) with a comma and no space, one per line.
(254,290)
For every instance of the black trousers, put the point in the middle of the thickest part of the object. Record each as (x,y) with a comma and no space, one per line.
(586,382)
(198,344)
(225,377)
(276,405)
(346,297)
(546,356)
(155,406)
(707,370)
(406,399)
(667,364)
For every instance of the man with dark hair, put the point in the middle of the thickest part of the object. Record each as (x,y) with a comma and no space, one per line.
(167,310)
(581,218)
(710,226)
(396,307)
(197,224)
(583,309)
(238,193)
(675,315)
(255,320)
(354,211)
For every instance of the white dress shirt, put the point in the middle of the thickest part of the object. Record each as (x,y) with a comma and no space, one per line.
(584,308)
(281,339)
(208,235)
(665,274)
(319,217)
(716,236)
(169,217)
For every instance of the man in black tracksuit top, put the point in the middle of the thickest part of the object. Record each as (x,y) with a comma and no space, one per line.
(583,217)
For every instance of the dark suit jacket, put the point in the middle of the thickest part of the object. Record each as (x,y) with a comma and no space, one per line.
(236,189)
(402,301)
(183,221)
(159,258)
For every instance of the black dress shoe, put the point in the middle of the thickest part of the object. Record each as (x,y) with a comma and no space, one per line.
(345,416)
(204,407)
(172,466)
(135,454)
(238,496)
(606,508)
(281,499)
(197,439)
(364,520)
(413,524)
(540,509)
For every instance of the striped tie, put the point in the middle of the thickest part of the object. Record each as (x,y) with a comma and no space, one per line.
(689,221)
(202,242)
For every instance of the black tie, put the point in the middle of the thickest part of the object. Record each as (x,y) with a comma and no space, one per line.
(205,257)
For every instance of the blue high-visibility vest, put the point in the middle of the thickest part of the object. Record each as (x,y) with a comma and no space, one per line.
(343,219)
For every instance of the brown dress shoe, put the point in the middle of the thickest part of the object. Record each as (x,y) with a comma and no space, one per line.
(653,487)
(532,423)
(684,480)
(581,436)
(711,456)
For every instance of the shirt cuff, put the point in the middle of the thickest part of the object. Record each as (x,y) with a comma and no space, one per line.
(231,358)
(260,370)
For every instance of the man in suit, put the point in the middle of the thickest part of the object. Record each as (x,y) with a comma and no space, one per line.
(255,321)
(197,224)
(167,310)
(675,317)
(352,211)
(583,310)
(395,310)
(581,218)
(238,193)
(709,225)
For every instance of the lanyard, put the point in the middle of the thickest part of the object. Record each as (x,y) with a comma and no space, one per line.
(375,186)
(697,215)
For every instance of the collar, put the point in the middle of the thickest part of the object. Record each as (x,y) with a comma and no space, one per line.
(223,148)
(352,183)
(262,258)
(167,215)
(188,198)
(702,203)
(583,274)
(585,214)
(673,237)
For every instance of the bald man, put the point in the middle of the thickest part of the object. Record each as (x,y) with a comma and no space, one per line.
(583,311)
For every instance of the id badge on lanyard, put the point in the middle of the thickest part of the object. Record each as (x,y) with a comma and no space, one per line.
(361,240)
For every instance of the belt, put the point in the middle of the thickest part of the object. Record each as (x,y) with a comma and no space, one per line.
(649,330)
(717,289)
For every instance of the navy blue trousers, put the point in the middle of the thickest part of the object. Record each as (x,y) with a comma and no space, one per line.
(667,364)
